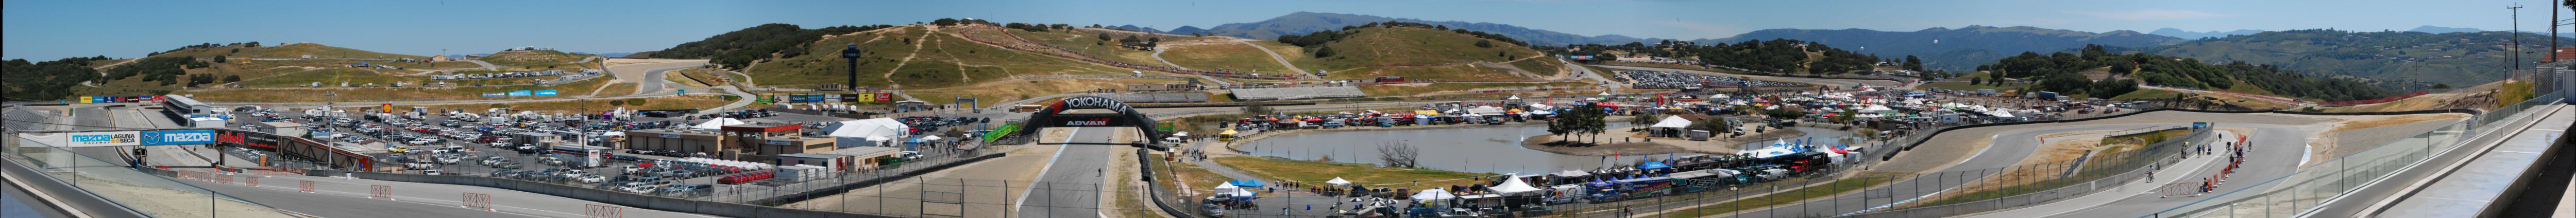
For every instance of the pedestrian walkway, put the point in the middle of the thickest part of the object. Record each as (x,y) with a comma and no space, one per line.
(2474,189)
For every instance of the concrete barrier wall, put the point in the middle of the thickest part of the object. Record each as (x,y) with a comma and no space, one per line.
(1938,130)
(807,195)
(2159,151)
(631,200)
(652,202)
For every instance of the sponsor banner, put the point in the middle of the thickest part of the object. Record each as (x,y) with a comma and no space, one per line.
(241,139)
(521,93)
(545,92)
(832,98)
(495,95)
(86,99)
(856,98)
(117,138)
(885,97)
(179,137)
(1088,122)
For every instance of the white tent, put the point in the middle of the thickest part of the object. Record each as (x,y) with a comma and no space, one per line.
(1769,152)
(1432,194)
(1570,173)
(1673,122)
(717,124)
(930,138)
(1338,181)
(1511,186)
(865,132)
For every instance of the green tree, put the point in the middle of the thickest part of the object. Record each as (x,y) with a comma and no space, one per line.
(616,103)
(1104,36)
(944,21)
(1912,63)
(1484,43)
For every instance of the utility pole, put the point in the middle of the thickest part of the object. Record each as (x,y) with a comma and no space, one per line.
(2516,50)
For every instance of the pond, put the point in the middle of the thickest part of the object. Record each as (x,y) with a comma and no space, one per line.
(1493,149)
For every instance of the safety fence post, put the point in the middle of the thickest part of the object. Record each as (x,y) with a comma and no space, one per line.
(305,186)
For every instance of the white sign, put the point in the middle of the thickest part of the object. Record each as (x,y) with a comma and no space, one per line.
(593,158)
(117,138)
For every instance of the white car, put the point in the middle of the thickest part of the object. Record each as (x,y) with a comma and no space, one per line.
(631,168)
(432,172)
(593,179)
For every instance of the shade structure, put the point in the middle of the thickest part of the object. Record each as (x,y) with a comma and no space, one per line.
(1511,186)
(1432,194)
(1338,181)
(1247,183)
(1653,165)
(1570,173)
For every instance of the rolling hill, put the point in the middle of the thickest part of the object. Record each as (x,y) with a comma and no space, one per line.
(1300,23)
(2097,72)
(1421,51)
(210,70)
(1957,49)
(2387,59)
(2179,33)
(531,58)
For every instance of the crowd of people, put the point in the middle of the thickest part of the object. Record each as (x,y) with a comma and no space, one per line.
(1644,79)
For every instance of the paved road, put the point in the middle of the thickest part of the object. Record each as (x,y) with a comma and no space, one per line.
(338,197)
(1284,61)
(649,77)
(2278,151)
(1834,82)
(2009,148)
(1088,151)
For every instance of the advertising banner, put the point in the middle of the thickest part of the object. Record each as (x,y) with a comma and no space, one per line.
(496,95)
(855,98)
(179,137)
(87,99)
(521,93)
(545,92)
(241,139)
(885,97)
(832,98)
(116,138)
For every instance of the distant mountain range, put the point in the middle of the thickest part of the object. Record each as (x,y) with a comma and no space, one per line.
(2179,33)
(2436,29)
(1308,22)
(2394,60)
(1957,49)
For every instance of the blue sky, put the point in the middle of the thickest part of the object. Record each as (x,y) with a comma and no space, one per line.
(47,30)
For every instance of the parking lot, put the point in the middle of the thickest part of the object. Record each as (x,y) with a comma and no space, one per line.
(487,144)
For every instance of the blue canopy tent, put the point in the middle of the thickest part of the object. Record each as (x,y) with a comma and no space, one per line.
(1653,165)
(1246,183)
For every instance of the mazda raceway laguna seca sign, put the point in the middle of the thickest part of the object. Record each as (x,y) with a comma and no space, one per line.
(125,138)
